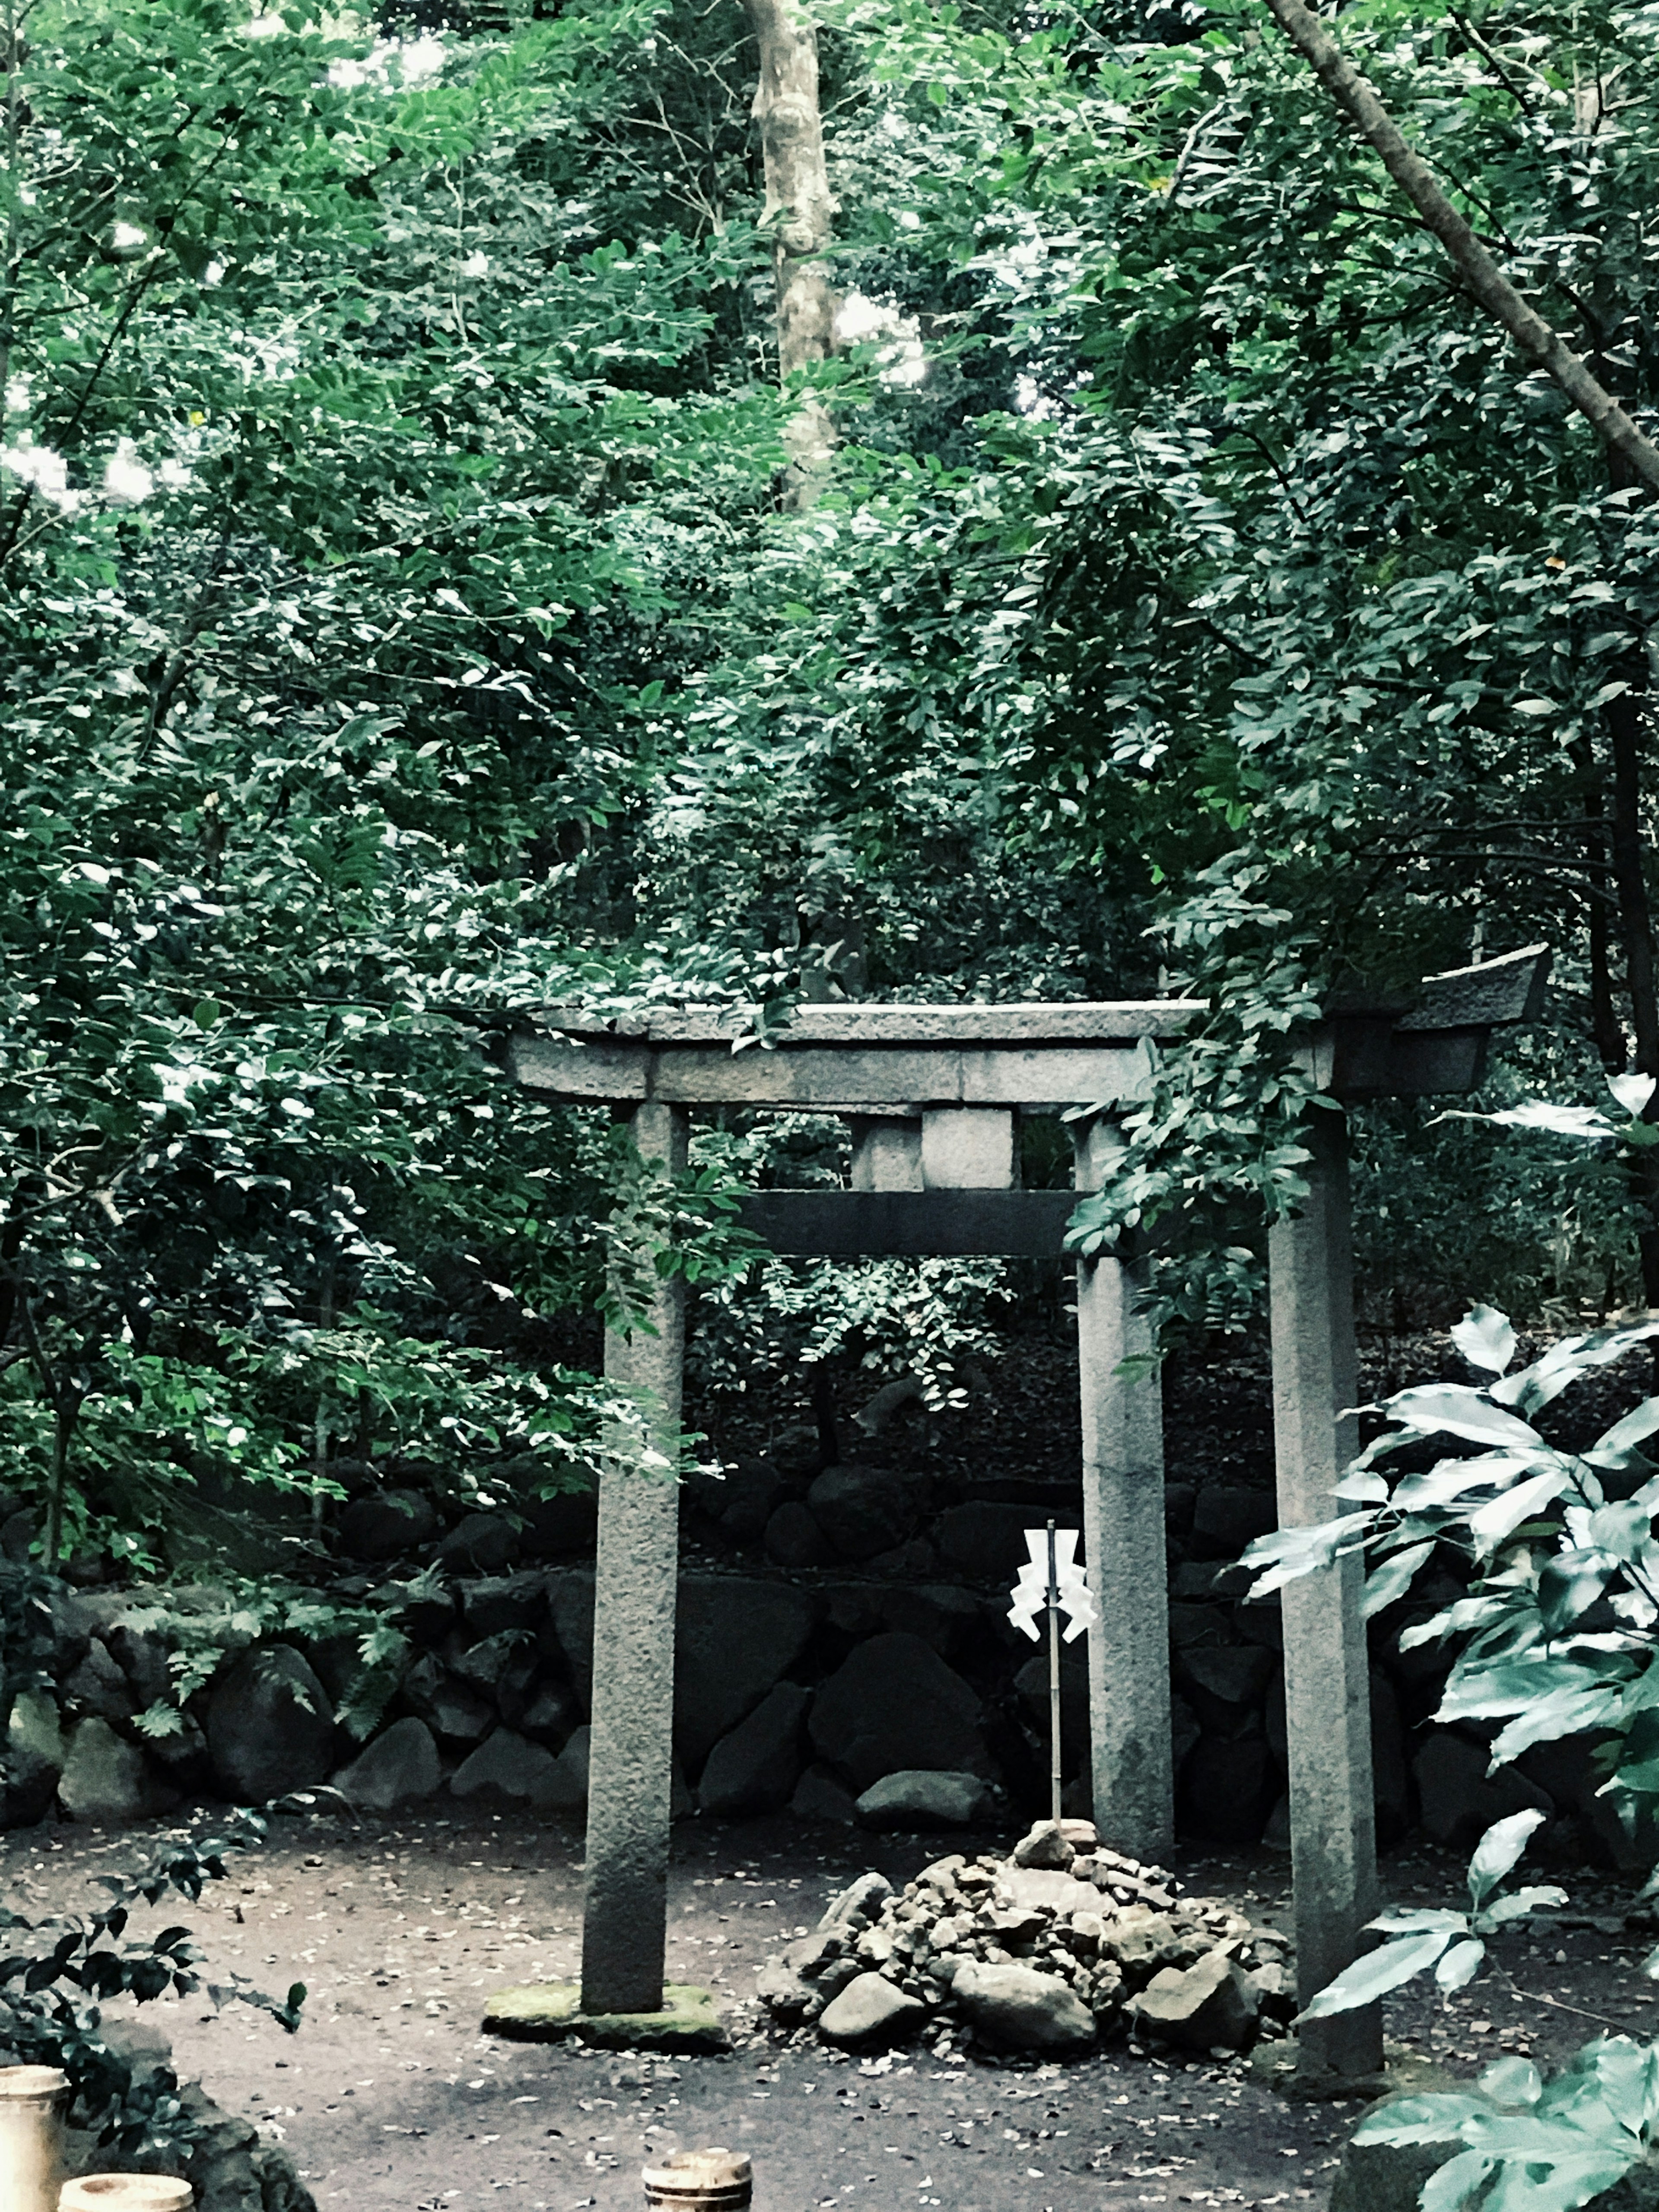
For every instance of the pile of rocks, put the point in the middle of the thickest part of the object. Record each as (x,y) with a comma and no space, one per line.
(1052,1949)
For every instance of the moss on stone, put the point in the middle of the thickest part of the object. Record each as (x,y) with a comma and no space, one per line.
(547,2012)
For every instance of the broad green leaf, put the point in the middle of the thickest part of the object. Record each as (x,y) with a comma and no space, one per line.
(1512,2082)
(1485,1339)
(1394,1578)
(1457,1410)
(1452,2185)
(1459,1966)
(1500,1849)
(1377,1972)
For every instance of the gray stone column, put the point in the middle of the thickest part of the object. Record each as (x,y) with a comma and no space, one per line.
(624,1929)
(1326,1685)
(1123,1540)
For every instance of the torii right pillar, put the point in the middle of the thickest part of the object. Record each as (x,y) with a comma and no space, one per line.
(1327,1676)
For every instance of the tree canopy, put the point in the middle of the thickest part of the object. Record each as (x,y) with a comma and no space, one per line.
(407,617)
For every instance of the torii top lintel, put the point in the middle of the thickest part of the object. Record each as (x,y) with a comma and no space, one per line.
(854,1057)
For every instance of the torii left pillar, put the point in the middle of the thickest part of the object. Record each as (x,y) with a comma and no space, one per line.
(625,1925)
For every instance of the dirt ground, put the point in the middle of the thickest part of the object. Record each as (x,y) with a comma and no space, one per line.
(389,2097)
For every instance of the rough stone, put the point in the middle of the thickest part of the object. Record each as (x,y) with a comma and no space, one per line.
(938,1613)
(923,1797)
(985,1542)
(486,1542)
(399,1766)
(550,1715)
(498,1602)
(35,1752)
(689,2021)
(819,1796)
(555,1527)
(1390,1767)
(386,1523)
(755,1767)
(142,1655)
(565,1789)
(1208,2005)
(270,1727)
(863,1511)
(734,1638)
(1226,1518)
(894,1705)
(1459,1802)
(98,1688)
(1021,2009)
(570,1610)
(793,1539)
(507,1764)
(743,1500)
(450,1709)
(870,2009)
(105,1778)
(785,1996)
(1223,1682)
(1031,1682)
(858,1904)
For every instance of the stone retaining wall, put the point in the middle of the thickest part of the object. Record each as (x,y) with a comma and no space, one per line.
(830,1633)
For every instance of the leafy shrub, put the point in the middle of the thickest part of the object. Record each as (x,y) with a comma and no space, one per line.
(54,1974)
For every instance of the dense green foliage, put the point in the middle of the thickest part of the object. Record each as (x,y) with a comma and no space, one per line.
(399,626)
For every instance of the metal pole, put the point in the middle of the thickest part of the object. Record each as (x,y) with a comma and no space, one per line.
(1053,1681)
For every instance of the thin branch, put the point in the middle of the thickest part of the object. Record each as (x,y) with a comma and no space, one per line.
(1491,289)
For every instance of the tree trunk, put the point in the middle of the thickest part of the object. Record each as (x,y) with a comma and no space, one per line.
(797,202)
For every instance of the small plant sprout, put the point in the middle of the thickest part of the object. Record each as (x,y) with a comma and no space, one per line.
(1452,1945)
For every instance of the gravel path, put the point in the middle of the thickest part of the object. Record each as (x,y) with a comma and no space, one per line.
(389,2097)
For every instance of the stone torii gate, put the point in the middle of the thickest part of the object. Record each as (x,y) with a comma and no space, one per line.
(932,1095)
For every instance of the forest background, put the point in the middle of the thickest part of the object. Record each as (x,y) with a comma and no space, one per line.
(415,610)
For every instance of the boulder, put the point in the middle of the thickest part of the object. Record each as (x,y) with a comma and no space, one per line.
(1205,2007)
(386,1524)
(398,1766)
(1019,2010)
(870,2009)
(507,1765)
(1390,1768)
(793,1539)
(893,1705)
(570,1611)
(785,1996)
(496,1603)
(1224,1682)
(1459,1802)
(550,1715)
(984,1542)
(1032,1684)
(819,1796)
(487,1543)
(938,1613)
(485,1663)
(35,1752)
(105,1778)
(920,1797)
(450,1709)
(863,1510)
(564,1789)
(98,1688)
(755,1768)
(741,1499)
(270,1726)
(1226,1518)
(142,1653)
(733,1639)
(555,1527)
